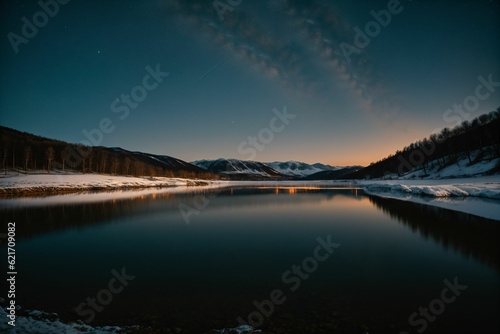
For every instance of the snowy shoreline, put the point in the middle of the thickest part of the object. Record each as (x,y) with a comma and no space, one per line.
(40,322)
(476,195)
(70,183)
(479,196)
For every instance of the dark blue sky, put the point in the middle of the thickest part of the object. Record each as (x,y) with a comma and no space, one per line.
(226,76)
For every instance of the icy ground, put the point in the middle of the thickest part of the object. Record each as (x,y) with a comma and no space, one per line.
(58,182)
(460,185)
(478,196)
(38,322)
(461,168)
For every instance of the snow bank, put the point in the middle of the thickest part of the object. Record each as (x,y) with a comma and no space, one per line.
(38,322)
(479,196)
(239,330)
(433,191)
(53,182)
(485,187)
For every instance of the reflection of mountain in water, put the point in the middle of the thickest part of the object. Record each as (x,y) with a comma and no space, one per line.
(471,235)
(50,218)
(31,221)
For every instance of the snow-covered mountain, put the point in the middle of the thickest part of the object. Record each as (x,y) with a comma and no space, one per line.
(262,169)
(478,165)
(299,169)
(238,168)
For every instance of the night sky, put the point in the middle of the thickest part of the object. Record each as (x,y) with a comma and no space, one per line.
(229,67)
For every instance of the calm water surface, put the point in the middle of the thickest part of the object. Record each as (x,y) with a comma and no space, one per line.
(393,258)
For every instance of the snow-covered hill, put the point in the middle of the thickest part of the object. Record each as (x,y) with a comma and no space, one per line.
(452,167)
(238,167)
(266,169)
(47,183)
(461,168)
(297,168)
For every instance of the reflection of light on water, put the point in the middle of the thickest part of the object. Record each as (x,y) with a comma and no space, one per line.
(291,190)
(286,188)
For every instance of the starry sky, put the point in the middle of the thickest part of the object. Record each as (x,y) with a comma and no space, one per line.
(195,79)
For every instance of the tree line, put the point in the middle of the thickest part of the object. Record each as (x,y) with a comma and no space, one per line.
(28,153)
(475,140)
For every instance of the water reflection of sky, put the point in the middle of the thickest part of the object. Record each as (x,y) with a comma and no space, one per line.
(393,256)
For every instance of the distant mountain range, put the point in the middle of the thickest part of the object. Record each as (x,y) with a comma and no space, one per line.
(470,148)
(234,168)
(238,169)
(28,153)
(299,169)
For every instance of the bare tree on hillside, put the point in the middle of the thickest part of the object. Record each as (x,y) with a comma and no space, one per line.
(4,154)
(27,157)
(126,165)
(115,163)
(49,154)
(103,161)
(64,156)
